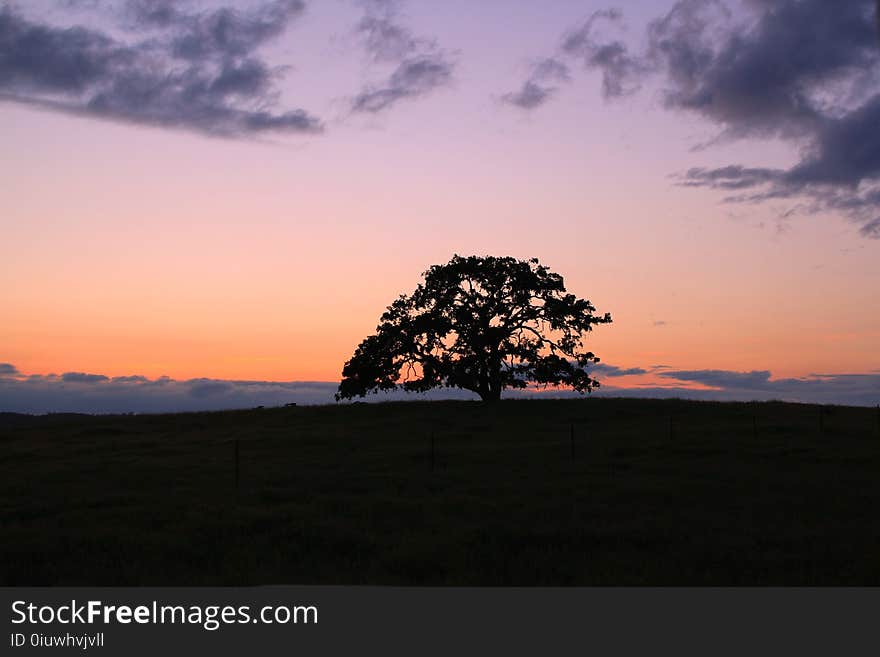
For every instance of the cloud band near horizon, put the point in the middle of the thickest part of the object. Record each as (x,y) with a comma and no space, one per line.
(77,392)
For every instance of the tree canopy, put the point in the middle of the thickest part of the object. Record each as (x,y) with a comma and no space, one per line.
(482,324)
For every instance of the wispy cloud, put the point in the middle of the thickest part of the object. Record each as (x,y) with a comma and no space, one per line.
(541,84)
(419,65)
(620,69)
(583,45)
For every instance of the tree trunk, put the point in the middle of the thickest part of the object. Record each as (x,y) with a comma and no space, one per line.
(493,376)
(490,395)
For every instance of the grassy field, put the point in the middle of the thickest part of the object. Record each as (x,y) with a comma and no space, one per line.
(648,492)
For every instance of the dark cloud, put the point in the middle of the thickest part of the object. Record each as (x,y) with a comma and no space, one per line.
(852,389)
(529,96)
(780,74)
(159,13)
(96,393)
(81,377)
(84,4)
(8,369)
(804,71)
(138,394)
(845,390)
(604,369)
(721,378)
(137,378)
(228,32)
(202,388)
(758,385)
(871,229)
(420,67)
(540,85)
(36,58)
(220,88)
(840,172)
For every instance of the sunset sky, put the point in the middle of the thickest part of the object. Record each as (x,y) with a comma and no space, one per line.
(230,193)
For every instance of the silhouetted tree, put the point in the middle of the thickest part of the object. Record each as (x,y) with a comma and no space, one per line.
(482,324)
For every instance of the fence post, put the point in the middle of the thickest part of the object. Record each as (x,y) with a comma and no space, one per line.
(754,425)
(571,435)
(822,420)
(432,451)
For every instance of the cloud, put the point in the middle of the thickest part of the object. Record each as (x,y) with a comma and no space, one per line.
(803,71)
(130,379)
(620,70)
(845,390)
(75,392)
(384,39)
(159,13)
(8,369)
(779,74)
(203,388)
(604,369)
(806,71)
(861,389)
(871,229)
(420,67)
(413,77)
(199,74)
(851,389)
(840,172)
(95,393)
(80,377)
(721,378)
(228,32)
(539,87)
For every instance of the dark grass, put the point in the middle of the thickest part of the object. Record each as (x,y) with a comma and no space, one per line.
(346,495)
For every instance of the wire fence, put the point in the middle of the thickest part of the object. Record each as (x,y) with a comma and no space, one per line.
(578,442)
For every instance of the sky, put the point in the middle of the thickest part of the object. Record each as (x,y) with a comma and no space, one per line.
(209,204)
